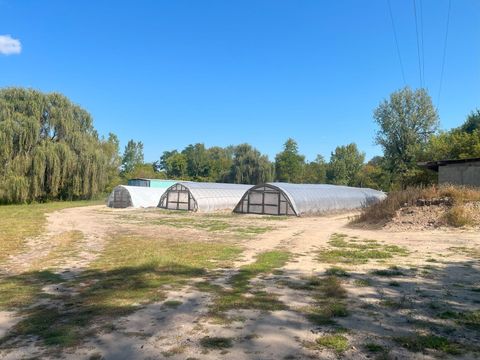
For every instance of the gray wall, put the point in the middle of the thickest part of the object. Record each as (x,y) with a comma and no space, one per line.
(460,174)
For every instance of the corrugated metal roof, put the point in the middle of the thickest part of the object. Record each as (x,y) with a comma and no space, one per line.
(434,165)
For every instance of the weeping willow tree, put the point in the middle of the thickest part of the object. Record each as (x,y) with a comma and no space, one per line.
(50,150)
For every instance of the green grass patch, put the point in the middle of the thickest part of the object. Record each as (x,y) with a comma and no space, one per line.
(18,222)
(362,282)
(374,348)
(172,303)
(337,271)
(329,300)
(207,222)
(241,296)
(469,319)
(391,271)
(418,342)
(216,343)
(131,271)
(19,291)
(355,251)
(335,342)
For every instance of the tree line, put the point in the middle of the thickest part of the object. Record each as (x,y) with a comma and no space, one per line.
(50,150)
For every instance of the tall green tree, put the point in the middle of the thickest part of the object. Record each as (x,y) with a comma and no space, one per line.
(453,144)
(345,165)
(132,156)
(49,149)
(221,160)
(249,166)
(198,162)
(472,123)
(112,151)
(289,164)
(174,164)
(406,122)
(315,171)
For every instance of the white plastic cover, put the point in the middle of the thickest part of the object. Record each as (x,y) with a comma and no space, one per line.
(134,196)
(316,198)
(213,196)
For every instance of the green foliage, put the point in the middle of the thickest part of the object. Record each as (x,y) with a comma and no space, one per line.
(249,166)
(315,172)
(406,122)
(198,162)
(147,171)
(235,164)
(345,165)
(289,164)
(472,123)
(132,156)
(454,144)
(174,164)
(50,150)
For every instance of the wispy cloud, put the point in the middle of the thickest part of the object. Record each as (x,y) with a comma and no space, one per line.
(9,45)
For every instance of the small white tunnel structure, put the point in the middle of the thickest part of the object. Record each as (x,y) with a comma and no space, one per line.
(304,199)
(124,196)
(202,196)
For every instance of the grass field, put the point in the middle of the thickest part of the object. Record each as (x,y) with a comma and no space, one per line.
(148,282)
(18,222)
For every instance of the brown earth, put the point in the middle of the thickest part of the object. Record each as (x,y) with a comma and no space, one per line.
(441,267)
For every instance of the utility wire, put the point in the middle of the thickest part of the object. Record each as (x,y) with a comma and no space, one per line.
(418,43)
(422,44)
(396,42)
(444,52)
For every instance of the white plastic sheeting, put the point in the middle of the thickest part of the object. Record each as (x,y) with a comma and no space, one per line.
(134,196)
(202,196)
(300,199)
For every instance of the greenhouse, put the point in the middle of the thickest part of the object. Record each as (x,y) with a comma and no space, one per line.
(304,199)
(134,196)
(202,196)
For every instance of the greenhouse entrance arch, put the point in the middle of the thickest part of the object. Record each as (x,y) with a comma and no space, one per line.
(265,199)
(178,197)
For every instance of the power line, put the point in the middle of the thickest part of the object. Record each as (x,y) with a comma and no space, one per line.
(396,42)
(444,52)
(422,46)
(418,43)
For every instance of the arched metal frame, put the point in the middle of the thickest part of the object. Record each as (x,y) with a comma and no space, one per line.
(266,199)
(178,197)
(121,198)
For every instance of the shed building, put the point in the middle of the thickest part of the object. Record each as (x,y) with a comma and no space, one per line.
(456,172)
(154,183)
(304,199)
(124,196)
(202,196)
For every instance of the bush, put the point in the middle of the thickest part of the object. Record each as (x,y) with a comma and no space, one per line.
(456,196)
(458,216)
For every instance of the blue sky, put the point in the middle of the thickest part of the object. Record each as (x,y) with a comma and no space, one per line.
(171,73)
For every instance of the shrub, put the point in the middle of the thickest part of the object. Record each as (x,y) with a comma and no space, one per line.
(458,216)
(456,196)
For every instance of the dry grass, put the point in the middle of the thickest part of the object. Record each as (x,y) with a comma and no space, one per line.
(458,216)
(18,222)
(456,196)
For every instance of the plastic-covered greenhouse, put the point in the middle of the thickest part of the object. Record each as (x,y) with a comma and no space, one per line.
(134,196)
(304,199)
(202,196)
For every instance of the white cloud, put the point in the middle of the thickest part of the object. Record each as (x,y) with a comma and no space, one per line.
(9,46)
